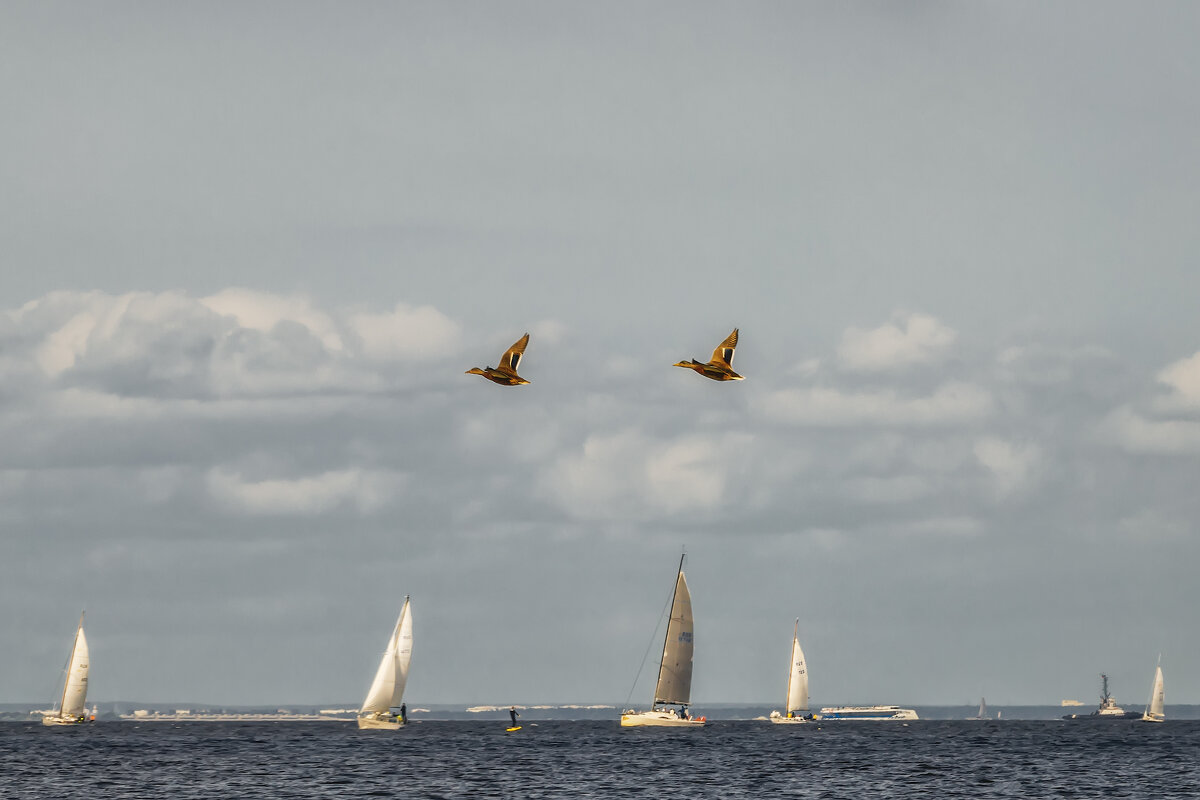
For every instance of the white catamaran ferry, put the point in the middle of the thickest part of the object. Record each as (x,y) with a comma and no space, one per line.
(869,713)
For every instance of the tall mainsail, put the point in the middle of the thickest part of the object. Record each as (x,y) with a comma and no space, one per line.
(388,686)
(75,686)
(797,694)
(675,672)
(403,653)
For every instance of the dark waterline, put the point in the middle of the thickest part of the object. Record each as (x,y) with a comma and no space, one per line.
(752,759)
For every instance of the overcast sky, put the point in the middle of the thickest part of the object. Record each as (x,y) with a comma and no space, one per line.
(250,249)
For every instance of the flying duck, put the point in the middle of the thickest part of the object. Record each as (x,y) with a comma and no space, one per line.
(506,373)
(719,368)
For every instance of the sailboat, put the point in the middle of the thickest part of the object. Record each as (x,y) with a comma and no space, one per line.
(388,687)
(1154,709)
(982,713)
(797,690)
(674,687)
(70,710)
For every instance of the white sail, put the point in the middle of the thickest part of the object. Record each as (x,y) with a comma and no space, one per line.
(388,686)
(75,687)
(1154,711)
(797,693)
(675,672)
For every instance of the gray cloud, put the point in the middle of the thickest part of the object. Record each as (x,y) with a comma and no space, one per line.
(244,484)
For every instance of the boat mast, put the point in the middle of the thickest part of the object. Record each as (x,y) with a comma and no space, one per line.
(71,658)
(667,635)
(787,696)
(1103,689)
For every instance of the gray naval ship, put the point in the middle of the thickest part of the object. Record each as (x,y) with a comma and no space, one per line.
(1108,707)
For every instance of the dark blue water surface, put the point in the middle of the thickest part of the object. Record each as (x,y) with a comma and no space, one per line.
(942,759)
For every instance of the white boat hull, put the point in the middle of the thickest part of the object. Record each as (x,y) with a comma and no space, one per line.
(659,719)
(1153,718)
(57,720)
(380,723)
(780,719)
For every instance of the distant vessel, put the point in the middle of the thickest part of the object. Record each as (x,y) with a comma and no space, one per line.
(1108,710)
(982,713)
(387,690)
(1066,703)
(674,687)
(1154,709)
(797,689)
(867,713)
(70,709)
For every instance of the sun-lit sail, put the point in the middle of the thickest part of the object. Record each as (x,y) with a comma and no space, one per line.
(797,694)
(74,694)
(387,689)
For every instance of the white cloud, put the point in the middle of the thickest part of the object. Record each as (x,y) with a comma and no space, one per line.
(262,311)
(1166,424)
(917,339)
(1046,365)
(406,333)
(628,473)
(952,403)
(362,490)
(1136,433)
(235,343)
(1183,376)
(1011,464)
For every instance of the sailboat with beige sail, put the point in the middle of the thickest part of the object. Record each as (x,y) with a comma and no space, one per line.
(379,709)
(796,702)
(71,703)
(674,686)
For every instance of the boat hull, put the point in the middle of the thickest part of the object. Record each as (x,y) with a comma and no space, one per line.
(1148,717)
(55,720)
(779,719)
(1098,717)
(379,724)
(658,719)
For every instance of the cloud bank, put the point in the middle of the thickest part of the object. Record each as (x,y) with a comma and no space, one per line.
(248,450)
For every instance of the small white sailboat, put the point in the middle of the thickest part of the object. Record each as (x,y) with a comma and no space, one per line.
(674,687)
(387,690)
(70,709)
(1154,709)
(796,702)
(983,712)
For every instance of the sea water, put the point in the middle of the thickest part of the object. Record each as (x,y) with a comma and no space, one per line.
(551,759)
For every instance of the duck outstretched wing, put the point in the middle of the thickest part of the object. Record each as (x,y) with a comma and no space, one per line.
(512,356)
(724,352)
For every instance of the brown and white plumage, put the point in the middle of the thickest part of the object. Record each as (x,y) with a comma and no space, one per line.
(721,366)
(506,373)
